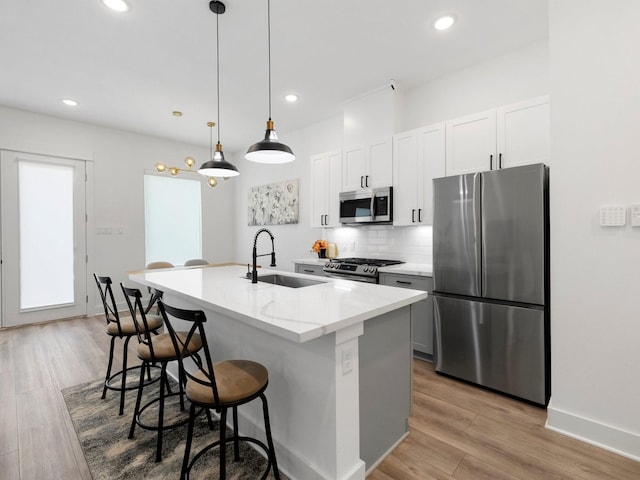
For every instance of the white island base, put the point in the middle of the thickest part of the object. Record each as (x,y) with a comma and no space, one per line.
(339,382)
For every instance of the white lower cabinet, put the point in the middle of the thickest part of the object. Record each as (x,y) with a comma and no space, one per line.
(418,158)
(421,312)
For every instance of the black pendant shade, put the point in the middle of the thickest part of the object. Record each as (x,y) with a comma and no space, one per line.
(269,150)
(217,166)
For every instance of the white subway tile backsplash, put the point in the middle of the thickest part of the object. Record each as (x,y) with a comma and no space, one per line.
(409,244)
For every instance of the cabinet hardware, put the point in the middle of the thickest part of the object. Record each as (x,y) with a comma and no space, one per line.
(307,271)
(366,181)
(419,215)
(490,162)
(326,219)
(361,181)
(499,161)
(403,282)
(413,213)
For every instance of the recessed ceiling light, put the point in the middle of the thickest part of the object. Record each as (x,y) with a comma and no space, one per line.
(292,97)
(70,102)
(117,5)
(444,22)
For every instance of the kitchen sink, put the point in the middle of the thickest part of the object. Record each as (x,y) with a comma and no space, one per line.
(286,281)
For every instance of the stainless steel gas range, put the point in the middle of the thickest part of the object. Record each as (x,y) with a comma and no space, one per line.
(358,269)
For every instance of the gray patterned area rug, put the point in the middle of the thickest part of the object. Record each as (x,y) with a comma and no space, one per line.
(111,455)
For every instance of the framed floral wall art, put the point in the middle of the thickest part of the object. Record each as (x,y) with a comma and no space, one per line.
(273,204)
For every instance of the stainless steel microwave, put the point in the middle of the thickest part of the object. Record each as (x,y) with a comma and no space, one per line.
(374,205)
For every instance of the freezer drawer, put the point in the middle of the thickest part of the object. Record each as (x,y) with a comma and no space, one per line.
(498,346)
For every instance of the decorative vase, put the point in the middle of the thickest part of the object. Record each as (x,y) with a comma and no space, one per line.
(322,253)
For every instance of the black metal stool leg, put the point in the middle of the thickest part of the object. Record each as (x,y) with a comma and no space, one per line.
(267,427)
(106,379)
(236,433)
(223,444)
(124,374)
(136,410)
(163,383)
(187,448)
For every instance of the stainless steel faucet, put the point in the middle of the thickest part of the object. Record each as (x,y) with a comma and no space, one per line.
(254,274)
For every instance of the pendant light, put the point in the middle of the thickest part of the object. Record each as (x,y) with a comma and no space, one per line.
(218,166)
(269,150)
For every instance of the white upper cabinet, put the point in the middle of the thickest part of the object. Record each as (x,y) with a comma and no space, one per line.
(368,166)
(523,133)
(515,134)
(418,158)
(326,179)
(471,143)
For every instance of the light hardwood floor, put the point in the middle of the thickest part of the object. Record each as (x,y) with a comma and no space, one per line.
(457,431)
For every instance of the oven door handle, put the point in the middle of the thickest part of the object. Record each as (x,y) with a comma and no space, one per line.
(353,278)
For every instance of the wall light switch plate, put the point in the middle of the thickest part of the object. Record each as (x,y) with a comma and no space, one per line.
(635,215)
(612,216)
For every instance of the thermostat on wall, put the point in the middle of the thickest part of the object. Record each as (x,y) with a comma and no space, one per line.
(612,216)
(635,215)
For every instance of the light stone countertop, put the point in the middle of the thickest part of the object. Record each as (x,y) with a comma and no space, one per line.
(419,269)
(297,314)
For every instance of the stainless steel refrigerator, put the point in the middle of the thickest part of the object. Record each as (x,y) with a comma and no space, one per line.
(491,280)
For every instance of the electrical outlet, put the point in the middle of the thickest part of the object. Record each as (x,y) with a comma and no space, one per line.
(347,360)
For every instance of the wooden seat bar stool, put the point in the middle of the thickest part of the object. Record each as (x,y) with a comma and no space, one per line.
(122,327)
(157,351)
(220,386)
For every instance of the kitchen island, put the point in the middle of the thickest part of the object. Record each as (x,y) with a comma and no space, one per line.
(338,354)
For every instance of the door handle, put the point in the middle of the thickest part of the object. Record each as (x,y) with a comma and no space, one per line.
(361,181)
(413,213)
(491,162)
(366,181)
(326,219)
(419,215)
(499,161)
(321,219)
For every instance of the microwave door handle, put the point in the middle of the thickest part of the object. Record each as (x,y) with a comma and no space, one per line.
(373,206)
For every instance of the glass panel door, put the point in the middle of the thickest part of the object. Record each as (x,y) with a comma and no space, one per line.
(43,238)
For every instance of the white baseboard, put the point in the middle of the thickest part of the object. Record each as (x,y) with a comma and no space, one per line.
(586,430)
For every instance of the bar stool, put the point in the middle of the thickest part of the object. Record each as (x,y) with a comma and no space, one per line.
(123,328)
(219,386)
(155,294)
(154,350)
(196,261)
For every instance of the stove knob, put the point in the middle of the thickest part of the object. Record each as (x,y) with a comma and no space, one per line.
(373,269)
(328,264)
(366,269)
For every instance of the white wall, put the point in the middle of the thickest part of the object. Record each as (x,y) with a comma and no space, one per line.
(119,160)
(595,145)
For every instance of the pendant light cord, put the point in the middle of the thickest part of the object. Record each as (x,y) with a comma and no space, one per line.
(218,69)
(269,50)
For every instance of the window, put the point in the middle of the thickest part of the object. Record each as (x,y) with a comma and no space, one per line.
(173,219)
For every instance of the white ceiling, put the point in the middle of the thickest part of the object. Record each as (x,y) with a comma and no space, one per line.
(131,70)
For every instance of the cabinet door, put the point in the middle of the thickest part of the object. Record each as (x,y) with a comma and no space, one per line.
(319,186)
(334,185)
(471,143)
(353,168)
(431,164)
(523,133)
(310,269)
(379,155)
(421,312)
(405,178)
